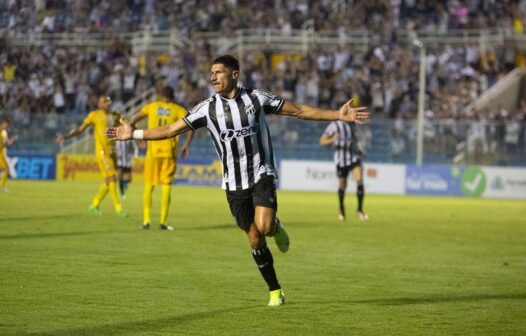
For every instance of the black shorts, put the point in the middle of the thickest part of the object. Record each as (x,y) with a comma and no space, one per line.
(125,169)
(344,171)
(242,203)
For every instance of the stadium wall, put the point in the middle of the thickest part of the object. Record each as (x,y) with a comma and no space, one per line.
(396,179)
(465,181)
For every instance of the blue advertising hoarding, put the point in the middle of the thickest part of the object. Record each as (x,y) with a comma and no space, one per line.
(32,166)
(433,180)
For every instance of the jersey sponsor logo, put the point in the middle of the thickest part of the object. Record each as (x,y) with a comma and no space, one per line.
(261,92)
(275,103)
(200,105)
(229,134)
(163,112)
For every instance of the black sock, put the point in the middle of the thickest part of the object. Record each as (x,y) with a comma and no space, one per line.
(265,262)
(341,197)
(121,186)
(360,193)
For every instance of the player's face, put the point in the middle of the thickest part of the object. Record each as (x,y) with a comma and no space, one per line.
(223,79)
(104,102)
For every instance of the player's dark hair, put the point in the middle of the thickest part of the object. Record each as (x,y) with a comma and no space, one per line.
(228,61)
(168,93)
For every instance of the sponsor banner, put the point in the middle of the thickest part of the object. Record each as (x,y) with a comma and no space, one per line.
(199,172)
(85,168)
(496,182)
(470,181)
(321,176)
(77,168)
(31,166)
(433,180)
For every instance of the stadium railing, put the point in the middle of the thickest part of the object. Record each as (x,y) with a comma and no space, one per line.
(297,41)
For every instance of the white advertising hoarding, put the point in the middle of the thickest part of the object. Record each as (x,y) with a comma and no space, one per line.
(321,176)
(504,182)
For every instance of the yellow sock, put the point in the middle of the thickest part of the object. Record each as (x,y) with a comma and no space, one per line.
(3,179)
(112,186)
(165,202)
(147,203)
(103,190)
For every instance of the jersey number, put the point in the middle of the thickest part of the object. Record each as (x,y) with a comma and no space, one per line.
(162,122)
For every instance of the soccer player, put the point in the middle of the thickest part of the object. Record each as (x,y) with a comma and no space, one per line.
(348,158)
(161,156)
(5,141)
(101,119)
(126,150)
(235,118)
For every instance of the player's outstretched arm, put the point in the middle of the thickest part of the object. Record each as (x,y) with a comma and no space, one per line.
(9,140)
(126,132)
(186,146)
(74,132)
(137,117)
(307,112)
(328,140)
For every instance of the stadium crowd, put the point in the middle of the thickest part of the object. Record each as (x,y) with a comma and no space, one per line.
(52,80)
(190,16)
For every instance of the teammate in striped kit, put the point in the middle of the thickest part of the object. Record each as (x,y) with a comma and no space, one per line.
(126,150)
(348,158)
(235,118)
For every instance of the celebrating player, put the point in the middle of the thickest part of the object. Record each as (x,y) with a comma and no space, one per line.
(105,152)
(348,158)
(235,118)
(161,156)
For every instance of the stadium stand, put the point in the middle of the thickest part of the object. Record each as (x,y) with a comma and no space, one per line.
(56,59)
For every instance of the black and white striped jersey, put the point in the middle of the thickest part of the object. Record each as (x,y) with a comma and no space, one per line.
(346,151)
(125,152)
(240,134)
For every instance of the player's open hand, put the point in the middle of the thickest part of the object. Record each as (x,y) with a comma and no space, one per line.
(123,132)
(353,114)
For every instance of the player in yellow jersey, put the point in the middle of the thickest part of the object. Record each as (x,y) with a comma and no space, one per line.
(5,142)
(105,152)
(161,156)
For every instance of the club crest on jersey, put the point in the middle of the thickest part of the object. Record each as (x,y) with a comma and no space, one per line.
(250,110)
(229,134)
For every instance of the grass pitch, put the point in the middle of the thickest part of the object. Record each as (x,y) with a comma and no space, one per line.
(433,266)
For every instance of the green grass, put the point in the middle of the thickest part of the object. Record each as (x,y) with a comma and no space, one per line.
(433,266)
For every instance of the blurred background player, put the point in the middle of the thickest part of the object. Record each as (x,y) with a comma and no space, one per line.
(161,156)
(5,141)
(101,119)
(235,117)
(126,151)
(348,158)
